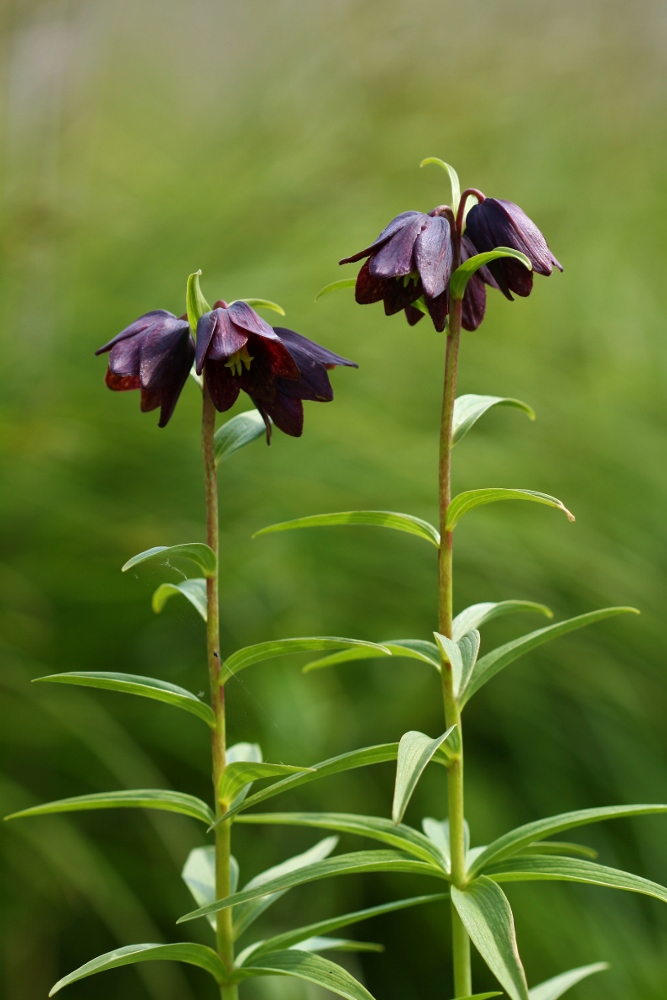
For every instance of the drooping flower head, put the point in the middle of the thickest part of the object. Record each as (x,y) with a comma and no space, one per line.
(410,259)
(410,264)
(278,368)
(154,354)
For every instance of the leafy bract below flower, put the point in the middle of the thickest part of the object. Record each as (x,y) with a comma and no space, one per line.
(153,354)
(278,368)
(412,260)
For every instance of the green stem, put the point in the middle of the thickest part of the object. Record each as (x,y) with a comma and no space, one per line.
(225,937)
(460,939)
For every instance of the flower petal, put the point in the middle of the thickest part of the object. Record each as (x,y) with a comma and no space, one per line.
(474,303)
(433,255)
(222,385)
(301,347)
(217,337)
(385,235)
(396,258)
(438,308)
(166,358)
(286,413)
(399,293)
(413,315)
(369,289)
(143,323)
(244,316)
(121,383)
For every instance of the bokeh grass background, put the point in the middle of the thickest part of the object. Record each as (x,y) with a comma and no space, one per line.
(263,141)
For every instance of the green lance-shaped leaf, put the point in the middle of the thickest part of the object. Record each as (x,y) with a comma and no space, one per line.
(262,304)
(415,751)
(543,868)
(554,988)
(312,968)
(487,917)
(559,847)
(244,914)
(463,273)
(469,408)
(336,944)
(464,502)
(333,765)
(137,798)
(437,831)
(144,687)
(236,433)
(494,661)
(402,837)
(412,649)
(245,753)
(196,304)
(199,875)
(514,841)
(482,996)
(479,614)
(453,179)
(374,518)
(336,286)
(461,655)
(193,591)
(196,552)
(243,658)
(239,774)
(291,938)
(192,954)
(342,864)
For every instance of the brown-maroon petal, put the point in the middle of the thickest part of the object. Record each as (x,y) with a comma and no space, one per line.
(397,223)
(223,386)
(369,289)
(217,337)
(396,258)
(433,255)
(241,314)
(474,303)
(400,293)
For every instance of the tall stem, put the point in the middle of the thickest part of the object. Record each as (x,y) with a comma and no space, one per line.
(460,939)
(225,937)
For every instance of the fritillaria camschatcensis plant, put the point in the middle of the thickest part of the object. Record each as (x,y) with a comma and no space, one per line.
(233,349)
(439,264)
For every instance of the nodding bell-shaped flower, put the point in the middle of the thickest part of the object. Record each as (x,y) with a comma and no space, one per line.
(495,223)
(411,258)
(237,350)
(154,354)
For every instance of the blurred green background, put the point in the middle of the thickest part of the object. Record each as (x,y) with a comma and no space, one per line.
(262,142)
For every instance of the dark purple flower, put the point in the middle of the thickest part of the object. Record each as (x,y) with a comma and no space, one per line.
(411,258)
(237,350)
(153,354)
(495,223)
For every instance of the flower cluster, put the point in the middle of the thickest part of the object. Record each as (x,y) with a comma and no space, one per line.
(235,350)
(410,264)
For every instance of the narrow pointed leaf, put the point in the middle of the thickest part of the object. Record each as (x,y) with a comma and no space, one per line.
(402,837)
(199,875)
(243,753)
(342,864)
(461,655)
(493,662)
(194,591)
(479,614)
(138,798)
(195,302)
(437,832)
(236,433)
(290,938)
(463,273)
(335,286)
(197,552)
(192,954)
(333,765)
(453,179)
(144,687)
(246,913)
(549,868)
(482,996)
(487,917)
(560,847)
(512,842)
(312,968)
(415,751)
(243,658)
(262,304)
(374,518)
(464,502)
(239,774)
(336,944)
(469,408)
(412,649)
(554,988)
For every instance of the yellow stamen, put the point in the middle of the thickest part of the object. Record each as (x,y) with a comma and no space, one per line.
(238,360)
